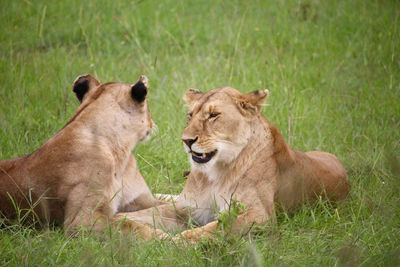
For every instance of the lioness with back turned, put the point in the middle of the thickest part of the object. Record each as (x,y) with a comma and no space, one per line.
(236,153)
(86,172)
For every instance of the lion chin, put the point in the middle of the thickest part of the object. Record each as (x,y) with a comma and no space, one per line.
(214,163)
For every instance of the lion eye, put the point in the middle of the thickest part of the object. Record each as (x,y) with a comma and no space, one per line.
(189,116)
(213,115)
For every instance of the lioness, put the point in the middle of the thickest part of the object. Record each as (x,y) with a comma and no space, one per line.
(86,172)
(236,153)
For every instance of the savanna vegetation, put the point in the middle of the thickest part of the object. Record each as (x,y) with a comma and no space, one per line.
(333,71)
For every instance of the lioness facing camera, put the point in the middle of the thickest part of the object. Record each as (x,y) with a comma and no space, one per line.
(86,172)
(236,153)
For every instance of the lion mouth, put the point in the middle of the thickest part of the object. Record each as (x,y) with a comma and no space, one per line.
(202,157)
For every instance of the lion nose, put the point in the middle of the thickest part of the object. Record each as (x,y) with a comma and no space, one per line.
(190,142)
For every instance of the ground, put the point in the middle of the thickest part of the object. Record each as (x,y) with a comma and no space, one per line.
(332,68)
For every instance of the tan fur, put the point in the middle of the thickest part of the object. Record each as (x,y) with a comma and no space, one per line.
(86,172)
(253,164)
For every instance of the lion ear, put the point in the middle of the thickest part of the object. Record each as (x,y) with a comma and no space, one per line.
(139,89)
(83,84)
(192,95)
(253,102)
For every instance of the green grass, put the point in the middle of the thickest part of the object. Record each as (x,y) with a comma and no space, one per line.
(332,68)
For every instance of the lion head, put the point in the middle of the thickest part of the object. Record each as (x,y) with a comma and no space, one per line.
(219,126)
(117,107)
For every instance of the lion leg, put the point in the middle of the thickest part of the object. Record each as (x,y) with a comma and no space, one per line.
(98,220)
(167,216)
(95,222)
(196,234)
(98,223)
(144,201)
(76,220)
(137,229)
(167,197)
(244,222)
(86,208)
(135,185)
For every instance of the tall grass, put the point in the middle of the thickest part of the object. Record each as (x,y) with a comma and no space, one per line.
(332,68)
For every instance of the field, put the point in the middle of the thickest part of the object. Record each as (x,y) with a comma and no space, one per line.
(333,71)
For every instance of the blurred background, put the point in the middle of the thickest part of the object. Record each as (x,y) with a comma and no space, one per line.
(332,68)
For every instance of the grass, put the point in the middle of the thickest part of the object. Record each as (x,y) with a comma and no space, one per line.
(332,68)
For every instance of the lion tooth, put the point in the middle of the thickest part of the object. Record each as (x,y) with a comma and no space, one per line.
(204,155)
